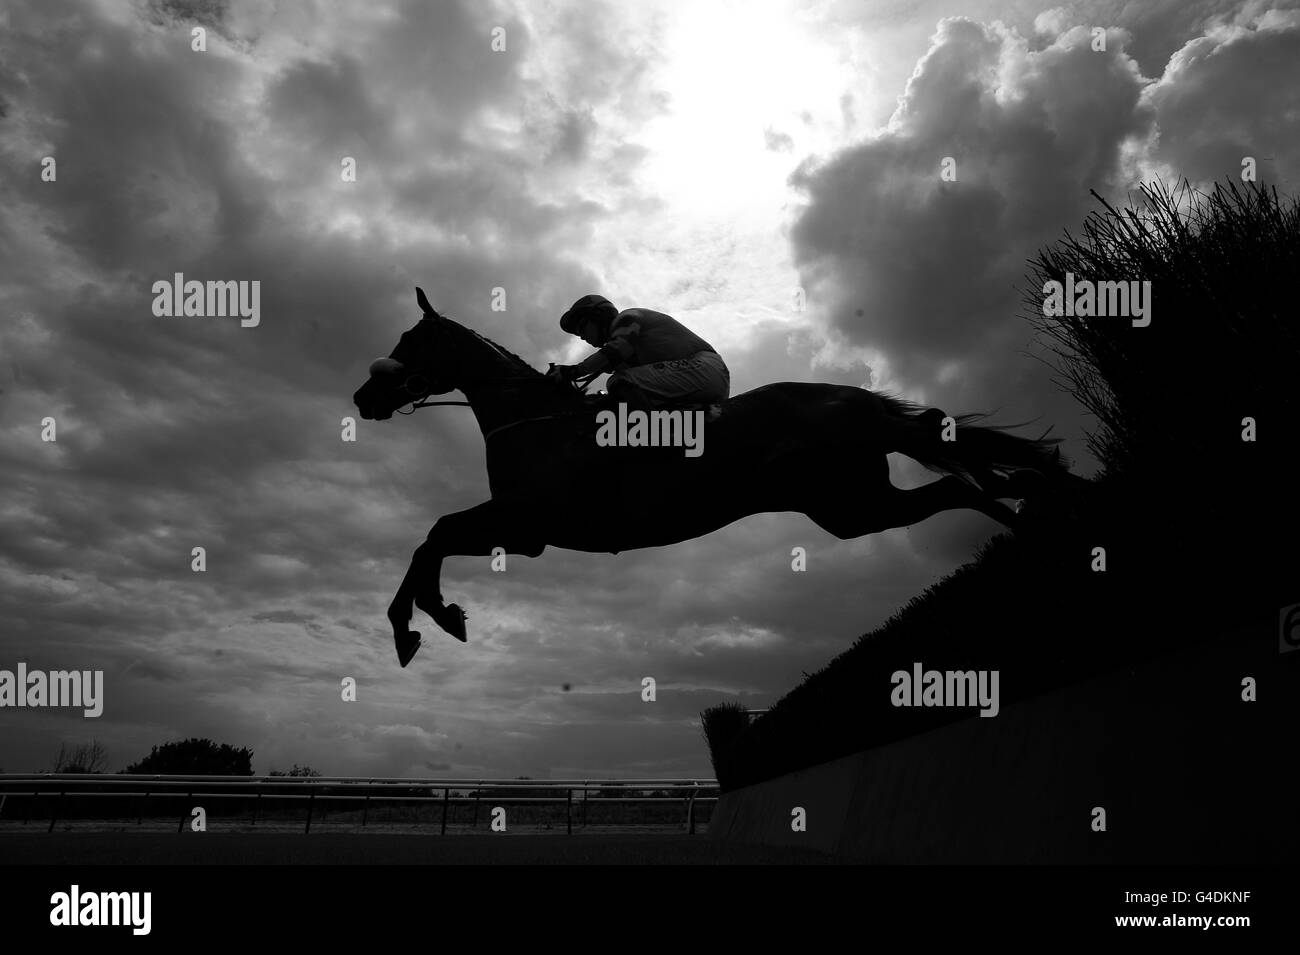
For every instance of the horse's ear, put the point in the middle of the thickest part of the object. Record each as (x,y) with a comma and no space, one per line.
(424,303)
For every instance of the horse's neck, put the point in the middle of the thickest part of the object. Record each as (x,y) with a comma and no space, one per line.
(501,389)
(480,358)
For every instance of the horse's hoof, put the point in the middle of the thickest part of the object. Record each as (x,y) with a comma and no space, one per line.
(1025,483)
(406,646)
(1017,485)
(452,619)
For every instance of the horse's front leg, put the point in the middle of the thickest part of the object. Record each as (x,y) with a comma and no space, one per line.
(475,532)
(402,608)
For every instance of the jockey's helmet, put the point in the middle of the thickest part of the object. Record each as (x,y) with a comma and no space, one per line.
(589,308)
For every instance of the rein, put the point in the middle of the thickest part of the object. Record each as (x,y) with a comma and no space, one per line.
(580,385)
(429,404)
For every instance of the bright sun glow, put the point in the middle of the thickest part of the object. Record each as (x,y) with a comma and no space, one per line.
(730,71)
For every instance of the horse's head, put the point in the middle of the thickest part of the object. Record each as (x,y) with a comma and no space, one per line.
(418,367)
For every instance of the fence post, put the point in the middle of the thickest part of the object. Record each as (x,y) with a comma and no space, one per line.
(690,811)
(478,793)
(257,803)
(311,804)
(569,813)
(140,818)
(446,797)
(54,813)
(586,792)
(27,810)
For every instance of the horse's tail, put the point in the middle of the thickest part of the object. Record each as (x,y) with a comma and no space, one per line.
(976,450)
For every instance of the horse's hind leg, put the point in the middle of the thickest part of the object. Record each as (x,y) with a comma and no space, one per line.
(946,494)
(878,509)
(474,532)
(849,496)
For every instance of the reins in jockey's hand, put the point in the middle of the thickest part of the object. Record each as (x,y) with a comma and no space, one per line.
(579,385)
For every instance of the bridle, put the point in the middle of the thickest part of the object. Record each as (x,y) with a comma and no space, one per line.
(418,397)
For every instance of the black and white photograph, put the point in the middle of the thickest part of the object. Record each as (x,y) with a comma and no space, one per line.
(584,433)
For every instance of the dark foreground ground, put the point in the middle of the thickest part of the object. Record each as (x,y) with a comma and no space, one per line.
(145,848)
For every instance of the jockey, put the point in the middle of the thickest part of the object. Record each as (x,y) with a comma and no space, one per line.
(656,361)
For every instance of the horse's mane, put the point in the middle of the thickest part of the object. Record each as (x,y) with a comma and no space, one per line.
(499,348)
(506,351)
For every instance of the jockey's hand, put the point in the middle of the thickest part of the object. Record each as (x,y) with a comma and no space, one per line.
(560,374)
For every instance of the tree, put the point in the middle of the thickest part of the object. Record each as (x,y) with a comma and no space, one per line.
(196,757)
(296,770)
(89,757)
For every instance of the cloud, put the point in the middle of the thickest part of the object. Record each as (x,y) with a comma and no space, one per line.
(1223,97)
(480,169)
(177,433)
(777,141)
(923,275)
(924,270)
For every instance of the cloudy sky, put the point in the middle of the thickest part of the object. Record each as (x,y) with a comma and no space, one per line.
(705,159)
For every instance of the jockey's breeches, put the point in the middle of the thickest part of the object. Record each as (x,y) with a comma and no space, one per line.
(702,379)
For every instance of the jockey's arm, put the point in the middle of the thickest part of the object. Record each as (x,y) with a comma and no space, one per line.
(594,364)
(608,357)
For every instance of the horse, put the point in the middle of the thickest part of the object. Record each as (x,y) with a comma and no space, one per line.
(816,449)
